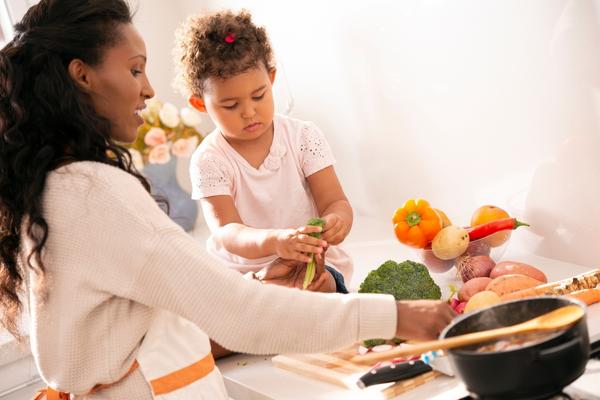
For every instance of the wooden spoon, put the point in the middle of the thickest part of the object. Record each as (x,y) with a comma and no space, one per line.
(552,320)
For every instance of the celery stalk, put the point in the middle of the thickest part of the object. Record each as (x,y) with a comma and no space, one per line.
(312,265)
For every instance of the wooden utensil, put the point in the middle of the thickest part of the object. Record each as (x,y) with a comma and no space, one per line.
(553,320)
(336,368)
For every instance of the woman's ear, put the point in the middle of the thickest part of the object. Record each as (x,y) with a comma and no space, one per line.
(272,73)
(197,103)
(78,71)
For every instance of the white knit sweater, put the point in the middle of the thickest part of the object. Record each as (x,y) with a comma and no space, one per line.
(113,257)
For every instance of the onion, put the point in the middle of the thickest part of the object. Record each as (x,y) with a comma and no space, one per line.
(471,267)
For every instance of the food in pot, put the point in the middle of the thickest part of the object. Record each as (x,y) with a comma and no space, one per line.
(515,342)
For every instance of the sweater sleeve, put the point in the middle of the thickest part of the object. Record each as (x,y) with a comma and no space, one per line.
(152,261)
(173,272)
(249,317)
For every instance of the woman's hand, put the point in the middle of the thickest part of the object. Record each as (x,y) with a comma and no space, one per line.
(422,319)
(335,229)
(297,244)
(290,273)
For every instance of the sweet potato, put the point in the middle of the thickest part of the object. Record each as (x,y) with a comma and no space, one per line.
(515,267)
(587,280)
(588,296)
(524,293)
(511,283)
(472,286)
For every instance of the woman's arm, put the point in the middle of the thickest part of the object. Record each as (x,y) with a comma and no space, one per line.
(161,266)
(332,204)
(229,231)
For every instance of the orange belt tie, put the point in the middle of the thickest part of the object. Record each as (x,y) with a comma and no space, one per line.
(165,384)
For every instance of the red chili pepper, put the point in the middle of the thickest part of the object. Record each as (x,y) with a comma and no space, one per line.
(480,231)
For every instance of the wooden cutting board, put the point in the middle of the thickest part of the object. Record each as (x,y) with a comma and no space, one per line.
(337,368)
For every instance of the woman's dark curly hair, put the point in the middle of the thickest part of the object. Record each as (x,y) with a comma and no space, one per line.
(46,121)
(220,45)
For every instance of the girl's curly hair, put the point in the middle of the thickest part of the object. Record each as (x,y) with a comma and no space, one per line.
(46,120)
(220,45)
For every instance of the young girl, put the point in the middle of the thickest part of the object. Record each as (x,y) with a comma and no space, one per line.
(121,299)
(260,176)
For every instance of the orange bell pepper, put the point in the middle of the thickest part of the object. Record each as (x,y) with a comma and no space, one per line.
(416,223)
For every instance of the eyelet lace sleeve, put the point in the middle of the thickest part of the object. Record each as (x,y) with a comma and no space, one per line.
(209,176)
(315,153)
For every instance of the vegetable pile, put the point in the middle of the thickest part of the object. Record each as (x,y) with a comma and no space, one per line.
(418,225)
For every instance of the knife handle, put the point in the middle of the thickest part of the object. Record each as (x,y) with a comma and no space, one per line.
(393,373)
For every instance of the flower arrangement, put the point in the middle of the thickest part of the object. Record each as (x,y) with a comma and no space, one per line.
(166,131)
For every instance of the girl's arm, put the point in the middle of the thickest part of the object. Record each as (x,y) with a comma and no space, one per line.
(229,231)
(332,204)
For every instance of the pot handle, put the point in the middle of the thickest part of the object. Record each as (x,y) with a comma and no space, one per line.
(558,350)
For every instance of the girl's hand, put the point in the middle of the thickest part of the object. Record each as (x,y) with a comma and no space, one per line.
(422,319)
(335,230)
(290,273)
(296,244)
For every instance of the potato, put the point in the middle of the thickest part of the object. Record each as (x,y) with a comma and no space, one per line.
(483,299)
(472,287)
(515,267)
(511,283)
(450,242)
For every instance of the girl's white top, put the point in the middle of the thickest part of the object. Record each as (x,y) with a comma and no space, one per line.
(114,258)
(274,195)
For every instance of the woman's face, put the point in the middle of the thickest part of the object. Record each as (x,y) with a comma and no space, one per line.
(119,86)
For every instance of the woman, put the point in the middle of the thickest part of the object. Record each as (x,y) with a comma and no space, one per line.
(108,275)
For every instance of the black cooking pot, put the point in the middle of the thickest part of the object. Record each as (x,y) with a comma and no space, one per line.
(534,371)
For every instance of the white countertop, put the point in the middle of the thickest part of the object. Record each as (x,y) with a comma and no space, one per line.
(255,377)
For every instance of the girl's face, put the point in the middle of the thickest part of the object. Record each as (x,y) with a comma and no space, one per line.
(119,85)
(242,106)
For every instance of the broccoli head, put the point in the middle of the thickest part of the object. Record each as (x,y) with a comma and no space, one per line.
(407,280)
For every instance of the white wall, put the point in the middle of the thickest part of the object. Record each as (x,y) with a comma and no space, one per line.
(462,102)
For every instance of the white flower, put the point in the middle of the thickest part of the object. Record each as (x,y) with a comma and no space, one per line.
(159,154)
(185,147)
(150,113)
(190,117)
(155,136)
(153,105)
(169,115)
(136,158)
